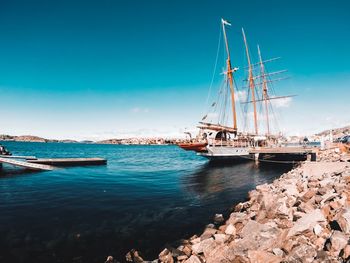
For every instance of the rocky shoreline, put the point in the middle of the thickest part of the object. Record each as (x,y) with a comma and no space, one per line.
(303,216)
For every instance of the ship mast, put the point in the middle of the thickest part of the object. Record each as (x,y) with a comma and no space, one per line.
(251,82)
(230,75)
(264,89)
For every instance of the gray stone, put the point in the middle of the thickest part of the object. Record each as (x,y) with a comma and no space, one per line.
(219,218)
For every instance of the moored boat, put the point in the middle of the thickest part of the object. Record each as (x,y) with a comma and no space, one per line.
(218,140)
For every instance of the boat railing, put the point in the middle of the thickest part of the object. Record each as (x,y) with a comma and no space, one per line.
(233,143)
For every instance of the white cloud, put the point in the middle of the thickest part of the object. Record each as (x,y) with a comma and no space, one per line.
(139,110)
(281,103)
(241,96)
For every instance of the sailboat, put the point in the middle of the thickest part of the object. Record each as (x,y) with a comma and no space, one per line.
(217,141)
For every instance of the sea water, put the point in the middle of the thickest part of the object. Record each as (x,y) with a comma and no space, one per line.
(146,197)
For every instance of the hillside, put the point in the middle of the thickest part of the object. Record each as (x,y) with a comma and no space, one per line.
(337,132)
(30,138)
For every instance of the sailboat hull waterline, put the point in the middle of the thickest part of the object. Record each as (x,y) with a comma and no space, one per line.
(228,154)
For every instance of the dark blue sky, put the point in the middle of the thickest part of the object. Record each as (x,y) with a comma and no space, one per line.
(110,68)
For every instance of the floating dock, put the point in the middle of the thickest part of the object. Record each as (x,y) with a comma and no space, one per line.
(32,166)
(48,164)
(69,161)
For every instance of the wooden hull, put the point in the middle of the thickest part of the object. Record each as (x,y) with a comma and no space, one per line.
(193,146)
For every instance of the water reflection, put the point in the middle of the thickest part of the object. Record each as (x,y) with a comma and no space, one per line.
(7,171)
(214,178)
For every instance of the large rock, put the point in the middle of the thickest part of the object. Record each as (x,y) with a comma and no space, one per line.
(208,232)
(166,256)
(338,240)
(302,253)
(205,247)
(307,222)
(282,211)
(343,219)
(220,238)
(257,256)
(259,236)
(291,190)
(133,256)
(230,230)
(328,197)
(193,259)
(346,254)
(308,195)
(225,254)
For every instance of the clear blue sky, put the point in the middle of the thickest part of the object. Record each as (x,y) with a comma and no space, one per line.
(96,69)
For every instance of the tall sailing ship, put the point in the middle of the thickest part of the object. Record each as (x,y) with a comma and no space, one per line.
(216,139)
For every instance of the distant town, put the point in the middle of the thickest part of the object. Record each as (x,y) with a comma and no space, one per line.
(331,135)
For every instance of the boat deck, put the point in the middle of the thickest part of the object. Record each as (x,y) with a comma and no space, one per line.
(284,150)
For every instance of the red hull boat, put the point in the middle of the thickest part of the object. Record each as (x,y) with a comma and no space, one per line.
(193,146)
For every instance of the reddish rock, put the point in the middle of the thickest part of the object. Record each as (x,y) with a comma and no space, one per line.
(302,253)
(258,256)
(205,246)
(343,219)
(193,259)
(187,250)
(208,232)
(338,241)
(308,195)
(166,256)
(230,230)
(307,222)
(346,254)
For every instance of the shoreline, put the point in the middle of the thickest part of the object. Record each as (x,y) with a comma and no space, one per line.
(302,216)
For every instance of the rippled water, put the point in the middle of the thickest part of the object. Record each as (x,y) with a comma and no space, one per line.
(146,197)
